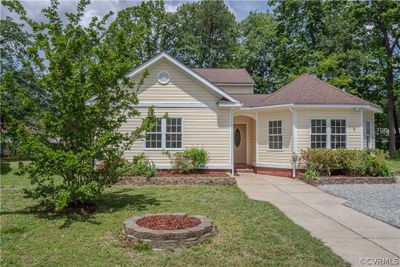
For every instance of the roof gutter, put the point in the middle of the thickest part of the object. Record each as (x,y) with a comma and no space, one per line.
(369,107)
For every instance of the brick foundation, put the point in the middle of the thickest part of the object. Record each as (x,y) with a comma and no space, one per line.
(276,171)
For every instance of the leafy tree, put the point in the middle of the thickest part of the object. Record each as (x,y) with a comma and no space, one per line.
(77,148)
(257,49)
(381,19)
(144,28)
(205,34)
(18,91)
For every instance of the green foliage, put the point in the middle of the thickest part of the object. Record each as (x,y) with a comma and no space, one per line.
(257,49)
(189,160)
(322,160)
(76,147)
(141,246)
(140,166)
(368,162)
(310,174)
(205,34)
(143,28)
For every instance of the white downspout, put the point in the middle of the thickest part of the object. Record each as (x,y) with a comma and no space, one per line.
(294,139)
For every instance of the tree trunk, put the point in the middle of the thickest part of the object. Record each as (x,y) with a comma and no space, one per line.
(391,112)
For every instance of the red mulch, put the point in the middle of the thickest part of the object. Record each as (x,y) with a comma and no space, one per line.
(168,222)
(167,173)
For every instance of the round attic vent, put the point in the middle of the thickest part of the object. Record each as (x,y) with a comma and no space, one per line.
(163,77)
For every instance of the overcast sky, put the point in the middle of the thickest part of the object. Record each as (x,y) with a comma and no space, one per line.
(99,8)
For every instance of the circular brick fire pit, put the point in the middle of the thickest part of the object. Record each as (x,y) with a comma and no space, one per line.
(168,230)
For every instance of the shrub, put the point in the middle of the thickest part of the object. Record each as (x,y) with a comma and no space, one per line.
(310,174)
(368,162)
(140,166)
(189,160)
(321,159)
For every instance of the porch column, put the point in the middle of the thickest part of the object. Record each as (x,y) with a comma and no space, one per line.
(231,142)
(256,138)
(361,128)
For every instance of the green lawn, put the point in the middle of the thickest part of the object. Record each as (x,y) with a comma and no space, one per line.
(250,233)
(394,165)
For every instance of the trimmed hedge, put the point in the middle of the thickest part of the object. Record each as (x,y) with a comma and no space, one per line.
(350,162)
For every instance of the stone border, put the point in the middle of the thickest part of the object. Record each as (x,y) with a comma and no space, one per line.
(350,180)
(162,239)
(175,180)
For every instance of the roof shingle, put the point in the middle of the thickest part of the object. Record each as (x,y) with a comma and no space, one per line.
(225,76)
(306,89)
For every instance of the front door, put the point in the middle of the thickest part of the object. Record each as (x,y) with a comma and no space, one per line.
(239,143)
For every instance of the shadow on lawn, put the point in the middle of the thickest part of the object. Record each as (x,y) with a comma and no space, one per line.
(5,167)
(109,203)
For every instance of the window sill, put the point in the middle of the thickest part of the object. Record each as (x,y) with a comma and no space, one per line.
(163,149)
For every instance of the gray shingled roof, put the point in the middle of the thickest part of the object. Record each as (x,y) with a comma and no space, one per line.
(225,76)
(306,89)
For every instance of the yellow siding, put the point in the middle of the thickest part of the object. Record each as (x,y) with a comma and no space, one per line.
(353,123)
(181,88)
(202,127)
(243,89)
(265,155)
(251,136)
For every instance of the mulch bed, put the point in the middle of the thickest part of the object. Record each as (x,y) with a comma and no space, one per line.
(351,180)
(167,173)
(179,179)
(168,222)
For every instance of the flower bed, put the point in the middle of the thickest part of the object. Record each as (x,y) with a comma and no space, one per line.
(168,230)
(174,179)
(348,180)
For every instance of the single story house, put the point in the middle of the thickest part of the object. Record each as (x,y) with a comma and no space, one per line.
(216,109)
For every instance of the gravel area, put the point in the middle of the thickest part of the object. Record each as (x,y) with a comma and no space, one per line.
(380,201)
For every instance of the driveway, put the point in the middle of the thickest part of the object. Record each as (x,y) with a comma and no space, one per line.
(357,238)
(380,201)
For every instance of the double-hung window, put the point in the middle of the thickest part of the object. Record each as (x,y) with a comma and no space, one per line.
(368,134)
(338,134)
(275,135)
(154,136)
(319,134)
(328,133)
(166,134)
(173,133)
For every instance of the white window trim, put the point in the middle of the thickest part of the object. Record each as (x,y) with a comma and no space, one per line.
(328,131)
(274,149)
(164,136)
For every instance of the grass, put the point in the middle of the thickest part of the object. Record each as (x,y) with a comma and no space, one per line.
(394,165)
(250,233)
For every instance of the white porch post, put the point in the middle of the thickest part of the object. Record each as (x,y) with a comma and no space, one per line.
(231,142)
(257,138)
(362,128)
(294,139)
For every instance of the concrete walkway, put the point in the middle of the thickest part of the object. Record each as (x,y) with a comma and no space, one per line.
(357,238)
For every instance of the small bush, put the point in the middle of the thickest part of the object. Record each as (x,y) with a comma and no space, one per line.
(351,162)
(140,166)
(310,174)
(189,160)
(321,159)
